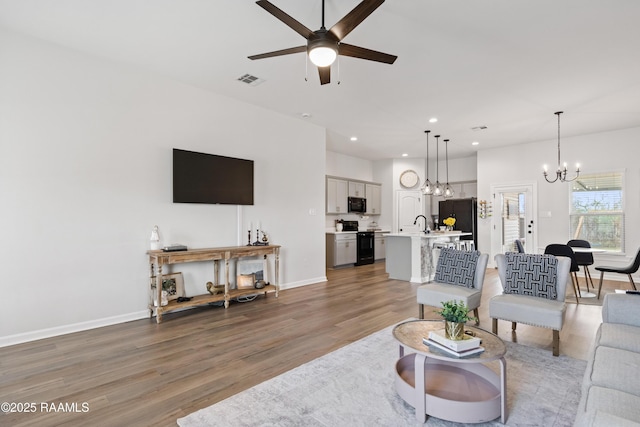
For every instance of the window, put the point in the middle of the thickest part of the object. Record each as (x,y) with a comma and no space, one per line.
(597,210)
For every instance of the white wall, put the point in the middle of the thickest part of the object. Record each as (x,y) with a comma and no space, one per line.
(609,151)
(85,173)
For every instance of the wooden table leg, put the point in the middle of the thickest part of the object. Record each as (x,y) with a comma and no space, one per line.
(159,294)
(226,284)
(277,271)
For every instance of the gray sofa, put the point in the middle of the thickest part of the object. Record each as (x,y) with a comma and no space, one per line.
(611,385)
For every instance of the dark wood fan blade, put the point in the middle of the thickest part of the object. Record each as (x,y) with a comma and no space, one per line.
(279,52)
(354,18)
(364,53)
(287,19)
(325,75)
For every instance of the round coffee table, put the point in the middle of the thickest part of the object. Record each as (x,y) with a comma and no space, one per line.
(439,384)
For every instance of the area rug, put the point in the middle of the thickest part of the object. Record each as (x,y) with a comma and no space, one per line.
(354,386)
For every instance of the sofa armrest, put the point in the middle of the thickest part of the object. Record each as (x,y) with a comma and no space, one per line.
(621,308)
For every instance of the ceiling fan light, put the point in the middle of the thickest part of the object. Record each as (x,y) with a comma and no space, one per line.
(323,56)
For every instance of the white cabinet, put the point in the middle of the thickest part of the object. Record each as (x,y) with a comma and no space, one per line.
(356,189)
(379,247)
(337,190)
(372,194)
(341,249)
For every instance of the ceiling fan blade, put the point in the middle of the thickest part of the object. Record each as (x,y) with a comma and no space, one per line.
(364,53)
(325,74)
(279,52)
(354,18)
(287,19)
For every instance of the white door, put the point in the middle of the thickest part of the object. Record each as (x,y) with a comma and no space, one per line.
(409,205)
(514,207)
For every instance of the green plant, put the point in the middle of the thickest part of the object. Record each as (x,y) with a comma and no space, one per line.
(455,311)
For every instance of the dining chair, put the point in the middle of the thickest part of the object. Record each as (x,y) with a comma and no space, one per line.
(566,251)
(628,270)
(584,259)
(519,246)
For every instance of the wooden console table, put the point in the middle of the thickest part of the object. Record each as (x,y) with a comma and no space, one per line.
(159,258)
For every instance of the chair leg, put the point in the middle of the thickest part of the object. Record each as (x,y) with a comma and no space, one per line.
(632,282)
(600,284)
(587,277)
(420,311)
(513,326)
(494,326)
(556,342)
(475,314)
(576,290)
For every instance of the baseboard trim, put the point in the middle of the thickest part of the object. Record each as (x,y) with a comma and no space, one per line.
(303,283)
(69,329)
(108,321)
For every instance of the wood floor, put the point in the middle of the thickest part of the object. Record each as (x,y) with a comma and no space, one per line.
(141,373)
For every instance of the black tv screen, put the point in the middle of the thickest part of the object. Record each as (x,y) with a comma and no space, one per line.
(211,179)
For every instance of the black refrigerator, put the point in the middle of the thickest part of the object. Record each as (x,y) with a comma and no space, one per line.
(465,213)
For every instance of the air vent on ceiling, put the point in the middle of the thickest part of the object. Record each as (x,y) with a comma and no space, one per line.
(477,128)
(250,80)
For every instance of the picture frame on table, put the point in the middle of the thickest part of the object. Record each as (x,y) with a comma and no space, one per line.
(173,284)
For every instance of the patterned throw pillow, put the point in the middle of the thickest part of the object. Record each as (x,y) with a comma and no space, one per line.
(456,267)
(531,274)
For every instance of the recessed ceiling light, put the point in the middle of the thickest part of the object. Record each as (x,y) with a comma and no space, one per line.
(475,143)
(354,138)
(433,120)
(404,154)
(306,115)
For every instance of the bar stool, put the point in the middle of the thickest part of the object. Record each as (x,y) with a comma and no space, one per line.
(465,245)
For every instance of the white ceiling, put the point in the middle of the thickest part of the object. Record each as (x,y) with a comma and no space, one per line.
(504,64)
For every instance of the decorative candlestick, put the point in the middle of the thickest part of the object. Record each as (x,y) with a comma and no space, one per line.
(249,237)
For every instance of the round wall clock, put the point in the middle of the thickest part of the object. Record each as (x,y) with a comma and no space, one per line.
(409,179)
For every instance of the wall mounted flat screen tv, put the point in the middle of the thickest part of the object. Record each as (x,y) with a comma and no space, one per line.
(211,179)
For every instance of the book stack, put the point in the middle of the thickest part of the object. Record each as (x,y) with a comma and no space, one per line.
(465,347)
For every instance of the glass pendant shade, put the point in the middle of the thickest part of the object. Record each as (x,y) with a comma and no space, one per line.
(438,190)
(427,187)
(448,190)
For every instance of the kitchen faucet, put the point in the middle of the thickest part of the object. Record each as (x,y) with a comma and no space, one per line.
(426,224)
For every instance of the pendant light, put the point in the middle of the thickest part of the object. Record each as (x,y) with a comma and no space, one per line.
(561,171)
(437,191)
(427,187)
(448,191)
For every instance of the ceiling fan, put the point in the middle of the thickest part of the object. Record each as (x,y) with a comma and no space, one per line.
(323,46)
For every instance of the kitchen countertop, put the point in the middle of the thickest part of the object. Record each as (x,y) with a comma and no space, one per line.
(432,235)
(354,232)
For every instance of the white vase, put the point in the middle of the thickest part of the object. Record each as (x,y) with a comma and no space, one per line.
(154,241)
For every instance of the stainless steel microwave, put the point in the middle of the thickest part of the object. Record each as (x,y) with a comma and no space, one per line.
(357,204)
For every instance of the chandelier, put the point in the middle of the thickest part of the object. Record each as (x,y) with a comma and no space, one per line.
(427,187)
(561,171)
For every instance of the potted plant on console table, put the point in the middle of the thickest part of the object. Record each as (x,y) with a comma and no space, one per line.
(455,314)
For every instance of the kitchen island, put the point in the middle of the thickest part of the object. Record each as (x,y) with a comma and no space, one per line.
(410,256)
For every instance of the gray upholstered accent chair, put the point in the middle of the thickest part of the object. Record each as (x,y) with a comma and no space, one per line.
(546,309)
(441,289)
